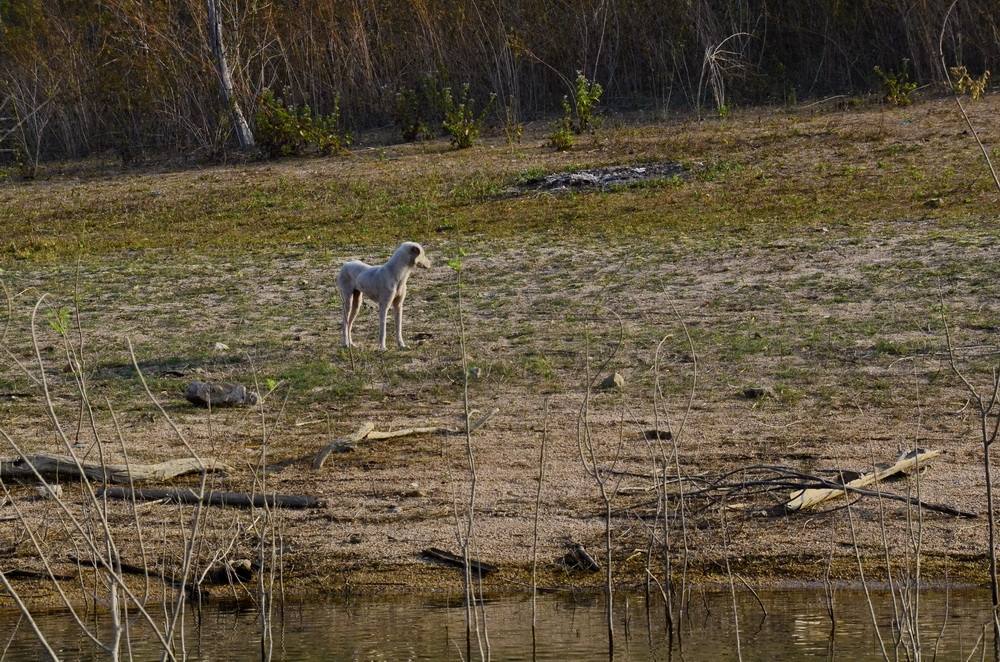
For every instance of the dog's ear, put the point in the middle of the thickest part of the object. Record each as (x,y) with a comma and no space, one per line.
(414,254)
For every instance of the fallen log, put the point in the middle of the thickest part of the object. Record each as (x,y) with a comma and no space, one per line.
(122,566)
(231,499)
(906,462)
(24,573)
(59,467)
(478,567)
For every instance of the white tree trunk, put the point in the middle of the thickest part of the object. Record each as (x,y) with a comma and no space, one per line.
(243,133)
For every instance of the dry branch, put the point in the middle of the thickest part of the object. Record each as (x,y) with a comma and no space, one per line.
(906,462)
(232,499)
(375,435)
(59,467)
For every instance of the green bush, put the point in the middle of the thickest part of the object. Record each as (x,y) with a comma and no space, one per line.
(586,96)
(419,110)
(579,115)
(289,130)
(460,119)
(563,136)
(897,85)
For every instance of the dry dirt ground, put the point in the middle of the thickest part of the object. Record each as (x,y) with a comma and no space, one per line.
(841,324)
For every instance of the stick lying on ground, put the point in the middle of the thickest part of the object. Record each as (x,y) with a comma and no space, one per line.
(233,499)
(63,467)
(448,558)
(367,432)
(807,498)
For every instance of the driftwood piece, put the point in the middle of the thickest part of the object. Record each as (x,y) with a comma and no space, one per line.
(446,557)
(807,498)
(231,499)
(578,558)
(367,432)
(482,421)
(341,445)
(59,467)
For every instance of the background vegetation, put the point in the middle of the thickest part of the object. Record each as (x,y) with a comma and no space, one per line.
(80,76)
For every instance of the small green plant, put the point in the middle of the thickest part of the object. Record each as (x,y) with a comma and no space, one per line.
(512,129)
(966,84)
(578,115)
(59,320)
(563,136)
(460,119)
(289,130)
(897,85)
(455,263)
(586,96)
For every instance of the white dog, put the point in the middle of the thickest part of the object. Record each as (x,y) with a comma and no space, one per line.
(385,284)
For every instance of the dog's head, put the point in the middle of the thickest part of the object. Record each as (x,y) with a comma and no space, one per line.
(416,255)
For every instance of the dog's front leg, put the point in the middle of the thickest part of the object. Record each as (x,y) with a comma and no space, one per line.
(398,306)
(383,312)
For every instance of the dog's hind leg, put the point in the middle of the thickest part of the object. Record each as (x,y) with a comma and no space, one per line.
(345,330)
(352,315)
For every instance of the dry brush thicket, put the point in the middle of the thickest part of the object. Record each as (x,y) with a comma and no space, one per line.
(135,76)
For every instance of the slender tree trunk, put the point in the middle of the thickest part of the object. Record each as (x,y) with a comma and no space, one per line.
(994,587)
(215,43)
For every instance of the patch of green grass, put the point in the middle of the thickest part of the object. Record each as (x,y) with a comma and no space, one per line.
(901,347)
(538,365)
(763,180)
(321,379)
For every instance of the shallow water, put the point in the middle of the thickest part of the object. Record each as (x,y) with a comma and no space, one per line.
(797,627)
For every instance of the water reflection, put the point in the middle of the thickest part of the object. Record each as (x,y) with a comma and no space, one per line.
(569,627)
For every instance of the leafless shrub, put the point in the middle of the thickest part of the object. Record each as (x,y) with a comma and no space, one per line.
(87,522)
